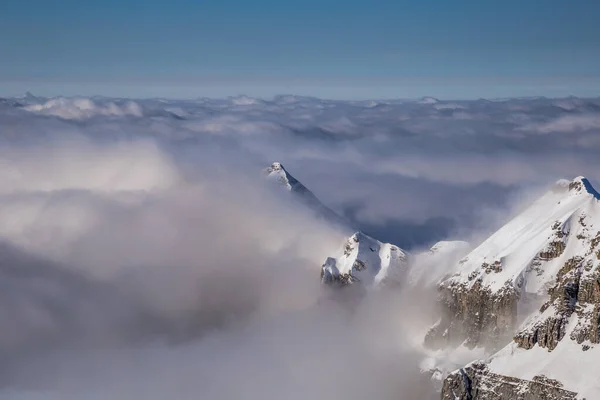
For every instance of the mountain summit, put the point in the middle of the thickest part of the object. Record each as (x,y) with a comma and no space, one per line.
(361,258)
(366,260)
(534,287)
(278,173)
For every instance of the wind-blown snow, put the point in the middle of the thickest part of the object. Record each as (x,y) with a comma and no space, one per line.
(431,266)
(515,246)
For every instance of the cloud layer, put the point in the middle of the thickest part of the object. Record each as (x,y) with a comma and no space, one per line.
(142,254)
(367,159)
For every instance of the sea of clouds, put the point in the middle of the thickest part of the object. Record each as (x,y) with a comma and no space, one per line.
(143,255)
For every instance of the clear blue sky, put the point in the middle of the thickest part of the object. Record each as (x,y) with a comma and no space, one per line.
(340,49)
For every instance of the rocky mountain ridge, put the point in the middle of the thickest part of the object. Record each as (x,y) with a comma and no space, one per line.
(361,258)
(531,289)
(365,260)
(277,172)
(476,382)
(529,294)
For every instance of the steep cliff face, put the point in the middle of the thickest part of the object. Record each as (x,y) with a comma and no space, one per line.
(546,252)
(361,258)
(549,256)
(476,382)
(573,306)
(474,315)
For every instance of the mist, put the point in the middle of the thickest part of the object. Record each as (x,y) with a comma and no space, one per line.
(158,285)
(143,255)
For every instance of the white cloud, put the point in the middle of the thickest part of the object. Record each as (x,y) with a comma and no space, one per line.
(567,124)
(79,164)
(139,240)
(81,108)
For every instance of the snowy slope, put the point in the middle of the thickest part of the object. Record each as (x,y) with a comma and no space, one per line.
(277,173)
(548,256)
(575,369)
(528,251)
(366,260)
(360,258)
(430,267)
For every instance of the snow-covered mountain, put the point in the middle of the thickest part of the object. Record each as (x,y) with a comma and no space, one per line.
(278,173)
(366,260)
(529,294)
(360,258)
(531,289)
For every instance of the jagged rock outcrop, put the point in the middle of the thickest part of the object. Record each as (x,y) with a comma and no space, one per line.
(542,252)
(474,315)
(550,256)
(576,294)
(366,260)
(362,258)
(476,382)
(556,312)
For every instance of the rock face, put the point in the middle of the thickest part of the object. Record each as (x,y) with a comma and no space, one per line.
(361,259)
(476,382)
(549,256)
(547,251)
(573,297)
(474,315)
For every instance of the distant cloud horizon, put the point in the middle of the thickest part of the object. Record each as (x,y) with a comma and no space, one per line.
(334,88)
(460,158)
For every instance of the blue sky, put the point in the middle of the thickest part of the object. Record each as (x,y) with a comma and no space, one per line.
(350,49)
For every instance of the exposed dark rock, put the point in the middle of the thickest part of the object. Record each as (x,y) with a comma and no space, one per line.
(573,293)
(338,279)
(555,249)
(358,265)
(546,334)
(496,267)
(595,241)
(576,186)
(589,289)
(476,313)
(472,314)
(476,382)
